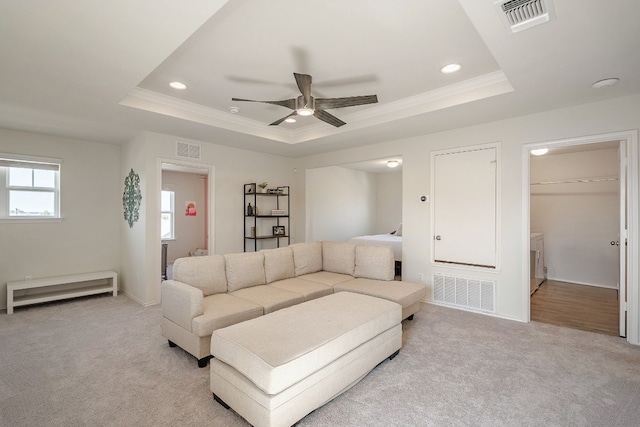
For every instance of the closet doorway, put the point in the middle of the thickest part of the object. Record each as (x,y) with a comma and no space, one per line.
(584,184)
(577,205)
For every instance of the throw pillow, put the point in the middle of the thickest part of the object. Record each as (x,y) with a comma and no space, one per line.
(278,264)
(244,270)
(374,262)
(206,273)
(338,257)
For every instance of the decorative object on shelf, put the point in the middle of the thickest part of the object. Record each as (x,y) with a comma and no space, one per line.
(276,212)
(263,187)
(278,230)
(249,210)
(253,232)
(251,188)
(131,198)
(275,191)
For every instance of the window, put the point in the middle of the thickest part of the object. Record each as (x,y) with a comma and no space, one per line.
(29,187)
(167,214)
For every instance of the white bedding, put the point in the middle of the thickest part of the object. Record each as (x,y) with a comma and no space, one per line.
(395,242)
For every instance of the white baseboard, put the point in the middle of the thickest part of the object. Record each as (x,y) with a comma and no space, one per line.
(596,285)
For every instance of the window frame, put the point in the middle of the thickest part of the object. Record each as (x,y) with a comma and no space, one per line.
(33,163)
(171,212)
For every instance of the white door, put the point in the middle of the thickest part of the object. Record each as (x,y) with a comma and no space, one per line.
(622,240)
(464,207)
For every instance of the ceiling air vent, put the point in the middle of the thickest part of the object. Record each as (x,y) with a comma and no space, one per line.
(187,151)
(518,15)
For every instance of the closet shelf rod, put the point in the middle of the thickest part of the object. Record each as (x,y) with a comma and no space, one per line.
(577,181)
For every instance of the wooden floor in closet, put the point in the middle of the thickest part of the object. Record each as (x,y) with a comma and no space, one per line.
(588,308)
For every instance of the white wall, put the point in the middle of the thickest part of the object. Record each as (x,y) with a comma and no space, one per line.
(589,119)
(388,208)
(341,203)
(579,220)
(87,238)
(189,231)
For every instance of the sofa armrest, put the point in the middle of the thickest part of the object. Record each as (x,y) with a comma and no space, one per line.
(181,303)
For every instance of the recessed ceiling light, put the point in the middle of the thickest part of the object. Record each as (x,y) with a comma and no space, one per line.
(605,83)
(290,120)
(234,110)
(178,85)
(539,151)
(451,68)
(392,163)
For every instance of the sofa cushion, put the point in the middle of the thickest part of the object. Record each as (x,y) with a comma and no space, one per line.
(404,293)
(310,290)
(244,270)
(269,297)
(278,264)
(307,257)
(222,310)
(338,257)
(326,277)
(374,262)
(206,273)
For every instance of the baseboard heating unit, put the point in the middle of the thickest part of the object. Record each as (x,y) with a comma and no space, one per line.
(472,294)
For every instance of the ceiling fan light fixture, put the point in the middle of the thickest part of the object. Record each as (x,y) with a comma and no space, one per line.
(392,163)
(305,111)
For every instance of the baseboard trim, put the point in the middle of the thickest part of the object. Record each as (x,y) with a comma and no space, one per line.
(595,285)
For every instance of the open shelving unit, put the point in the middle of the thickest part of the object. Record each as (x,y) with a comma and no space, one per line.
(268,211)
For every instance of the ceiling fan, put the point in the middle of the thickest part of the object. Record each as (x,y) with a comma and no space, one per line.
(307,105)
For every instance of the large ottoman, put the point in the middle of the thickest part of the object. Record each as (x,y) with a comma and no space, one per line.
(275,369)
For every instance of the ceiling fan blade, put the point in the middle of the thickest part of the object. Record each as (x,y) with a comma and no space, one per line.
(277,122)
(289,103)
(329,118)
(350,101)
(304,84)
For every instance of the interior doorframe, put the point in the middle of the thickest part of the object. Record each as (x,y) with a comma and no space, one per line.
(210,169)
(630,137)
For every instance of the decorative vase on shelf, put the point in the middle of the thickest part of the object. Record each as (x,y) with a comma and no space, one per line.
(262,188)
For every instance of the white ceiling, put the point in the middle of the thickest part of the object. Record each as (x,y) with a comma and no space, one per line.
(100,71)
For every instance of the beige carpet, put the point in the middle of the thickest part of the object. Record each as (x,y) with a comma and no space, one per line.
(101,361)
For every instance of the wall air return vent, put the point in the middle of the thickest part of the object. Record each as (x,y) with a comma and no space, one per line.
(518,15)
(472,294)
(187,151)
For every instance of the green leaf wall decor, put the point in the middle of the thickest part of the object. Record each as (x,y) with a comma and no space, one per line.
(131,198)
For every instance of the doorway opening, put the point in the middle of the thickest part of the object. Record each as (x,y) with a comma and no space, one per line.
(582,192)
(185,213)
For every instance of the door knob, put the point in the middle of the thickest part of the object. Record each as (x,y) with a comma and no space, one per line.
(438,237)
(614,243)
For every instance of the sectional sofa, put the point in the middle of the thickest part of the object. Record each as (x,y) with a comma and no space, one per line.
(212,292)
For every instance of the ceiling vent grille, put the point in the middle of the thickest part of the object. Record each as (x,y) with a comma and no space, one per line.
(187,151)
(518,15)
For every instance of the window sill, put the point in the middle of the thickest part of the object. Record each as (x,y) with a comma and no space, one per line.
(29,220)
